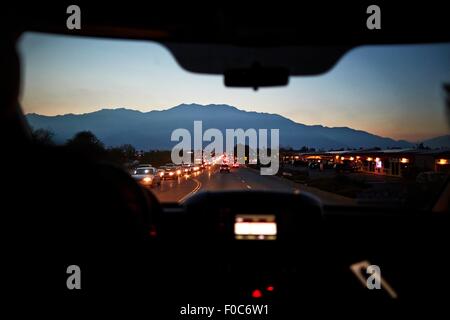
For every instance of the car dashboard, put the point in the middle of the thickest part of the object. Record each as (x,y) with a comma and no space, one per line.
(283,249)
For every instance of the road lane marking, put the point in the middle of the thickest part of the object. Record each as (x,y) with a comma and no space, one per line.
(197,187)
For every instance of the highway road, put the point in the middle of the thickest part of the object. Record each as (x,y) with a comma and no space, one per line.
(178,190)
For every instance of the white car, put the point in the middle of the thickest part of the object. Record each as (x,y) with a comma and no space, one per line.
(147,176)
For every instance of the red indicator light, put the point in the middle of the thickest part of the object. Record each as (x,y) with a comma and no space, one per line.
(270,288)
(153,232)
(256,294)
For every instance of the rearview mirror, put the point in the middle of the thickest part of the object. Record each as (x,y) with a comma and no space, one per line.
(256,76)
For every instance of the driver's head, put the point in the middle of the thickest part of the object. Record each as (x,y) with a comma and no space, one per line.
(12,128)
(10,74)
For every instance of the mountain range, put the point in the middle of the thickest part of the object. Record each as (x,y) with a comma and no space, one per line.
(152,130)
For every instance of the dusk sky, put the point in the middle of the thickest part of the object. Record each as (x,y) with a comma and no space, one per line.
(393,91)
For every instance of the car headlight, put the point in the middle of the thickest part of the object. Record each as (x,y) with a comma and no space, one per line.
(161,174)
(147,179)
(170,173)
(178,171)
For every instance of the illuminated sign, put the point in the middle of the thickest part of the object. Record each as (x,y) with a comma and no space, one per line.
(378,163)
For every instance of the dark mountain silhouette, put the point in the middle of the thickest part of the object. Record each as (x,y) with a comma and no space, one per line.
(152,130)
(438,142)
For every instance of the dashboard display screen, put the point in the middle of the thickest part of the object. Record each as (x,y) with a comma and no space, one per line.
(255,227)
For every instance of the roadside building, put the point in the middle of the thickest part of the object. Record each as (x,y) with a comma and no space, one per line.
(389,162)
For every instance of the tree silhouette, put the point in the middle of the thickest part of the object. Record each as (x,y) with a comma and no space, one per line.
(123,154)
(42,137)
(87,143)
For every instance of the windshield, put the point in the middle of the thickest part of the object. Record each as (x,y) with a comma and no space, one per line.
(371,131)
(143,171)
